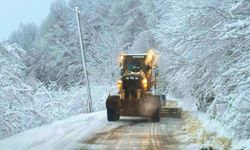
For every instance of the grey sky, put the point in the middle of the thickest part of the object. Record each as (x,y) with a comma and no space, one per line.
(13,12)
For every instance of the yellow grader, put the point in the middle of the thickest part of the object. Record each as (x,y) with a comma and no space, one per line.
(136,88)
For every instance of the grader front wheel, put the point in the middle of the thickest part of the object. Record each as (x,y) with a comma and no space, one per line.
(156,116)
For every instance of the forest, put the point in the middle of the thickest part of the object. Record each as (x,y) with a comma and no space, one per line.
(203,48)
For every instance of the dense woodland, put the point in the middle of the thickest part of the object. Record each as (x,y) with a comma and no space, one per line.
(204,49)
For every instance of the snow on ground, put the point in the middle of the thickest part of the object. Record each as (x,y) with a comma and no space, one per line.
(65,134)
(207,131)
(61,133)
(199,134)
(225,136)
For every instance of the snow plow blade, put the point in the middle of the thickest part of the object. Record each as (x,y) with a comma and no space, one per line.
(171,112)
(170,109)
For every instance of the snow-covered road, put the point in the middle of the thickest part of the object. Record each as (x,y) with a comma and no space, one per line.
(138,133)
(92,131)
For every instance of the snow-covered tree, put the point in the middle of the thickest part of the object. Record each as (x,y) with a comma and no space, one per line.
(203,47)
(25,35)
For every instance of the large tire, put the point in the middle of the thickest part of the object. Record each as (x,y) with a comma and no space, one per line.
(117,116)
(113,109)
(156,116)
(111,115)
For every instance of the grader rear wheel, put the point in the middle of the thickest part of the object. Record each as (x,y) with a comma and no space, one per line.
(112,115)
(113,109)
(156,116)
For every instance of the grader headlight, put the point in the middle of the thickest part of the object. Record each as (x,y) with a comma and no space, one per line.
(150,57)
(119,84)
(145,84)
(121,59)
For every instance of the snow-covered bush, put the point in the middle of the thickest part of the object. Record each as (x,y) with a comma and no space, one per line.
(26,103)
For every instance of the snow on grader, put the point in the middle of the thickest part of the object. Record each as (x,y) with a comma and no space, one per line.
(136,88)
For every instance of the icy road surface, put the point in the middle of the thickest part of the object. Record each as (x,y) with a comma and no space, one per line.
(138,133)
(93,131)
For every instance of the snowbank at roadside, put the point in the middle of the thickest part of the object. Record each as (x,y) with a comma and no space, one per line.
(210,132)
(206,131)
(58,135)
